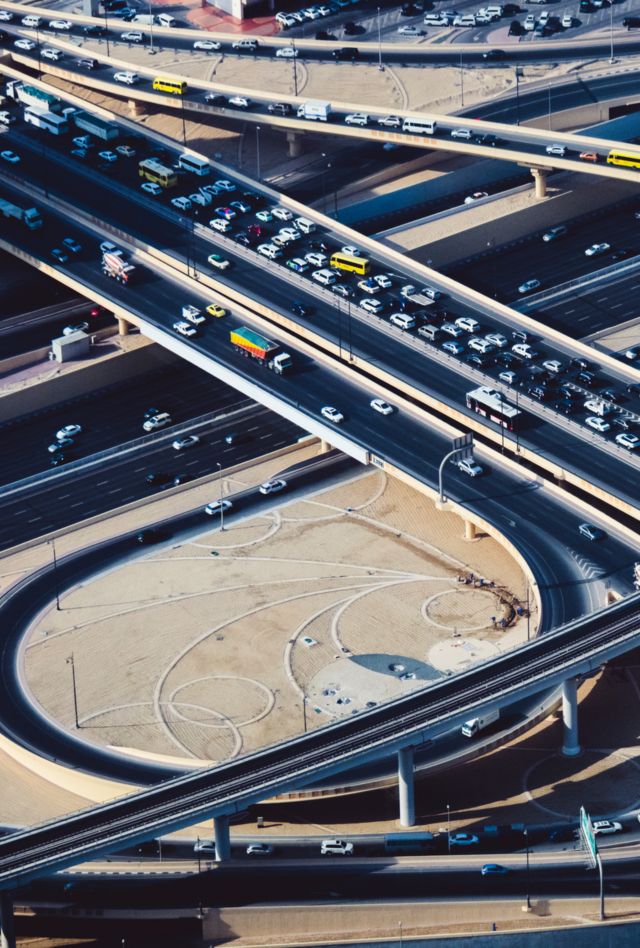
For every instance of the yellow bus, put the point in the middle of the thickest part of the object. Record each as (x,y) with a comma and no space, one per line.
(346,261)
(625,158)
(175,86)
(152,170)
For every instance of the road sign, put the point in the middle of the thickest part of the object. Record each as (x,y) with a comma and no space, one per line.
(464,445)
(588,837)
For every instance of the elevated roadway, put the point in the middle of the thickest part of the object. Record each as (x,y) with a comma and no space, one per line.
(522,145)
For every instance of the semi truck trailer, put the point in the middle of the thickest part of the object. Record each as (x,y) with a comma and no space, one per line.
(114,265)
(315,110)
(29,216)
(252,344)
(473,726)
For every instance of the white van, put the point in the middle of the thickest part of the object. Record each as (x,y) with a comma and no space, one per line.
(494,10)
(194,164)
(403,320)
(143,19)
(336,847)
(33,21)
(598,407)
(305,225)
(419,126)
(165,19)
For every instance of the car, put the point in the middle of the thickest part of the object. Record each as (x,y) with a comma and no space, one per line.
(452,347)
(553,365)
(240,207)
(226,213)
(316,259)
(61,445)
(631,22)
(50,52)
(282,213)
(68,431)
(76,327)
(591,156)
(273,487)
(390,121)
(220,263)
(324,277)
(332,414)
(494,869)
(554,233)
(225,185)
(344,291)
(245,45)
(451,329)
(529,286)
(629,441)
(508,376)
(240,102)
(109,156)
(290,234)
(493,55)
(523,351)
(490,140)
(207,46)
(259,849)
(470,467)
(382,407)
(60,24)
(193,315)
(373,306)
(185,329)
(465,134)
(383,281)
(297,264)
(476,196)
(606,827)
(287,52)
(94,30)
(126,151)
(467,323)
(149,187)
(215,98)
(188,441)
(154,535)
(265,216)
(156,421)
(558,150)
(218,507)
(478,344)
(214,309)
(597,423)
(270,251)
(133,36)
(595,250)
(181,203)
(463,839)
(336,847)
(10,157)
(60,457)
(126,78)
(25,44)
(6,16)
(624,253)
(155,478)
(497,339)
(369,285)
(351,250)
(567,21)
(632,354)
(301,309)
(410,31)
(59,255)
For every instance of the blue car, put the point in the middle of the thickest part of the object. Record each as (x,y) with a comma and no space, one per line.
(494,869)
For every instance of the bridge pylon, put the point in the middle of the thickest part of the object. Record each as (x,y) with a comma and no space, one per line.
(570,743)
(223,840)
(7,932)
(406,791)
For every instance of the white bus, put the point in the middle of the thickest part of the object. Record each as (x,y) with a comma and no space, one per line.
(491,404)
(56,124)
(193,163)
(419,126)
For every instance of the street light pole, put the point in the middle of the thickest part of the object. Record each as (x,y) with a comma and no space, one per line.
(526,843)
(294,63)
(611,59)
(380,66)
(518,74)
(449,828)
(151,48)
(55,573)
(71,662)
(258,151)
(549,91)
(221,503)
(461,82)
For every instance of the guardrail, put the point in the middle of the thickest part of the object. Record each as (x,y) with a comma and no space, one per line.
(613,270)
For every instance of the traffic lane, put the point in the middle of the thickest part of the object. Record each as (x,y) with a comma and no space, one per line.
(593,309)
(110,416)
(499,271)
(38,336)
(119,480)
(539,435)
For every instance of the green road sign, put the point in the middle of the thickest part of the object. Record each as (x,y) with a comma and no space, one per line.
(588,836)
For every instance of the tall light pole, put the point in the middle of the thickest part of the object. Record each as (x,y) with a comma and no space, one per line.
(151,48)
(221,500)
(518,76)
(461,81)
(71,662)
(294,63)
(611,59)
(549,91)
(526,843)
(380,66)
(106,28)
(258,152)
(55,573)
(449,828)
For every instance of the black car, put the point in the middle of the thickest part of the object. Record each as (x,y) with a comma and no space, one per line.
(563,834)
(491,141)
(409,9)
(94,30)
(346,54)
(494,55)
(631,22)
(610,395)
(243,239)
(565,406)
(215,98)
(507,359)
(182,479)
(477,360)
(633,389)
(323,35)
(154,478)
(152,412)
(301,309)
(624,422)
(511,9)
(588,379)
(319,245)
(579,363)
(350,29)
(624,253)
(280,108)
(60,458)
(516,28)
(87,63)
(153,535)
(237,437)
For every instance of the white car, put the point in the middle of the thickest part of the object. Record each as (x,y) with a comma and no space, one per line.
(218,506)
(109,156)
(468,324)
(463,839)
(371,306)
(316,259)
(240,102)
(324,277)
(218,223)
(107,246)
(290,234)
(383,281)
(478,344)
(127,78)
(369,286)
(629,441)
(470,467)
(10,156)
(83,141)
(529,286)
(132,36)
(157,421)
(351,250)
(356,118)
(185,329)
(553,365)
(523,350)
(567,21)
(390,121)
(25,44)
(6,16)
(208,46)
(126,151)
(530,23)
(68,431)
(181,203)
(332,414)
(265,216)
(465,134)
(259,849)
(451,329)
(48,52)
(272,487)
(382,407)
(509,377)
(595,250)
(225,185)
(597,423)
(270,251)
(497,339)
(193,315)
(476,196)
(606,827)
(60,24)
(287,52)
(410,31)
(220,263)
(281,213)
(188,441)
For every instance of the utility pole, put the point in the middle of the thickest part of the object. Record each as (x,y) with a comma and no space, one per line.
(518,76)
(380,66)
(258,152)
(461,82)
(294,63)
(221,500)
(55,573)
(151,47)
(526,843)
(71,662)
(611,59)
(449,829)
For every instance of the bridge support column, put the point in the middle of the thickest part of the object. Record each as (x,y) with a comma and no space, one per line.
(223,841)
(294,143)
(123,326)
(406,787)
(570,744)
(7,933)
(90,7)
(540,179)
(325,447)
(469,530)
(136,109)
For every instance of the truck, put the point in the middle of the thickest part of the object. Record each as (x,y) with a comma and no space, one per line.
(102,129)
(116,266)
(32,97)
(29,216)
(250,343)
(315,110)
(50,121)
(417,297)
(474,725)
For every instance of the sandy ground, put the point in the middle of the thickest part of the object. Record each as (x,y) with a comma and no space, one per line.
(205,650)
